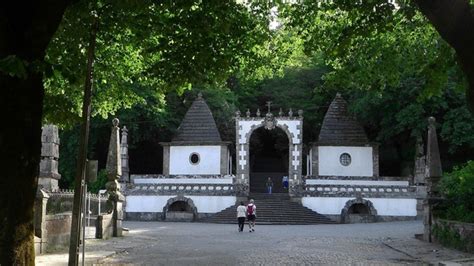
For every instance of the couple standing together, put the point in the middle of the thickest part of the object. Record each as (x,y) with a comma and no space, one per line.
(249,212)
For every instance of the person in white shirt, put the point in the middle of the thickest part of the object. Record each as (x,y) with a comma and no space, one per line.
(251,215)
(241,214)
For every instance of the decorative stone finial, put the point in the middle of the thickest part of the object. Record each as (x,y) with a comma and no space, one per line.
(338,94)
(247,113)
(269,105)
(199,95)
(258,112)
(290,113)
(431,120)
(300,113)
(280,113)
(237,113)
(115,122)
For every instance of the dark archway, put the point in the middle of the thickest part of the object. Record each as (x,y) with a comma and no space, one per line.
(358,210)
(180,209)
(269,157)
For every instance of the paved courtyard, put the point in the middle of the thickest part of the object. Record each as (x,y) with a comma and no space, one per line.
(159,243)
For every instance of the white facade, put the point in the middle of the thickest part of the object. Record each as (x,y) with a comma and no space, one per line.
(204,204)
(384,206)
(329,163)
(209,160)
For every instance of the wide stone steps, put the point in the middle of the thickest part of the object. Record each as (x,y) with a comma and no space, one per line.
(273,209)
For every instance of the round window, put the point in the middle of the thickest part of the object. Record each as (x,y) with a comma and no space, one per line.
(345,159)
(194,158)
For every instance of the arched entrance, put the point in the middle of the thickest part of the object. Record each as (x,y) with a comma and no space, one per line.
(269,158)
(291,125)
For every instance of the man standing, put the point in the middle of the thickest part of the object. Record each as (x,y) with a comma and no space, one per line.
(284,180)
(269,185)
(241,214)
(251,215)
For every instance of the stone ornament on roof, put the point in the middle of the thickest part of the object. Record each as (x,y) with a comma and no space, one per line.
(339,127)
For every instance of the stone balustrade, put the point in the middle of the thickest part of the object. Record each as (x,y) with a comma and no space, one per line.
(364,191)
(188,189)
(181,176)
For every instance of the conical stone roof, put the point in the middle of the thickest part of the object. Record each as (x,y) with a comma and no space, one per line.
(198,124)
(339,128)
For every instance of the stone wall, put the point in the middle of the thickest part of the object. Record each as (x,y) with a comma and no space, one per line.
(454,234)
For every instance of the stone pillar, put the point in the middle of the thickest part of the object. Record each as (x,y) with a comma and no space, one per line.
(124,156)
(40,212)
(375,159)
(49,176)
(114,171)
(433,175)
(419,177)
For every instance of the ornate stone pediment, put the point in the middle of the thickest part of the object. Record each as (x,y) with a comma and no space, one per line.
(269,122)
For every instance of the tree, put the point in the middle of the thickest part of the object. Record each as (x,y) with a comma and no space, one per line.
(453,20)
(25,31)
(189,42)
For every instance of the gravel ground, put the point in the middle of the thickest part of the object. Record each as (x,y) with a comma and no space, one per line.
(159,243)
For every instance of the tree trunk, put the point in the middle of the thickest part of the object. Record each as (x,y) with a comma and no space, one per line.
(20,143)
(25,31)
(454,20)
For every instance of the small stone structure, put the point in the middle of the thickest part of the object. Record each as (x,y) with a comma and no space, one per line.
(344,181)
(196,180)
(197,147)
(49,176)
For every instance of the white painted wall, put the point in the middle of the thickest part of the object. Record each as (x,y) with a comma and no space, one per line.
(384,206)
(226,180)
(355,182)
(361,161)
(292,124)
(204,204)
(209,164)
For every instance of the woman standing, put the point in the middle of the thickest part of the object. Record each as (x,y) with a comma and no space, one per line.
(241,214)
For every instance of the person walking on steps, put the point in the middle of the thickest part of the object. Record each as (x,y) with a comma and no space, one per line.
(251,215)
(269,185)
(241,214)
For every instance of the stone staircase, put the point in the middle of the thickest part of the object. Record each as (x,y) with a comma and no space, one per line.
(272,209)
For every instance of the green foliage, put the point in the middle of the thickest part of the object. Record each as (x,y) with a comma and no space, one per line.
(13,66)
(448,237)
(147,50)
(99,183)
(458,188)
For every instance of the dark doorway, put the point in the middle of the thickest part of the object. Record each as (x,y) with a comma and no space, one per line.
(268,158)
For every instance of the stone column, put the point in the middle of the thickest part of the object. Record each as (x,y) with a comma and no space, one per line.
(124,156)
(114,171)
(433,175)
(41,201)
(49,176)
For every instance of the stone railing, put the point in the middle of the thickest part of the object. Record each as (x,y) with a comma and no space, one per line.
(62,201)
(180,176)
(374,178)
(364,191)
(187,189)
